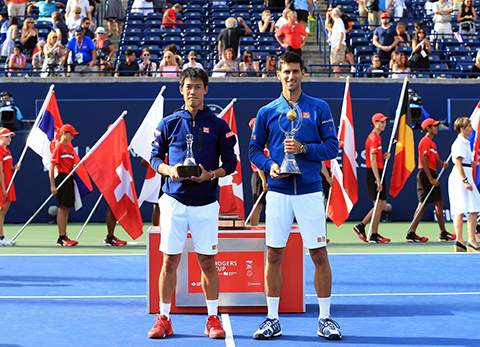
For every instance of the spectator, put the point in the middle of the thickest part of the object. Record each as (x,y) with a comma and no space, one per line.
(393,59)
(421,49)
(373,10)
(170,17)
(337,42)
(294,35)
(84,55)
(266,24)
(74,21)
(160,5)
(16,8)
(329,21)
(418,25)
(173,48)
(192,61)
(248,64)
(168,66)
(230,37)
(39,57)
(348,27)
(46,8)
(442,18)
(467,16)
(147,67)
(456,5)
(303,9)
(142,6)
(402,68)
(385,38)
(395,8)
(105,50)
(3,26)
(283,19)
(60,28)
(228,64)
(114,12)
(404,38)
(86,22)
(16,61)
(476,68)
(53,51)
(84,6)
(29,37)
(129,67)
(12,34)
(376,69)
(362,12)
(270,69)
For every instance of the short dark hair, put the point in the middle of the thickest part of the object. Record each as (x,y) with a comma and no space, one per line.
(4,14)
(84,19)
(129,52)
(290,57)
(194,73)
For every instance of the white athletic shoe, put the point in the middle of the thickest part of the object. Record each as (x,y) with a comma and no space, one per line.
(7,242)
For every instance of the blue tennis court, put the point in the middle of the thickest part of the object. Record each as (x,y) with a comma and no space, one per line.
(378,299)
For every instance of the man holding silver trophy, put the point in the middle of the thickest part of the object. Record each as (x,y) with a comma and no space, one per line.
(195,140)
(300,133)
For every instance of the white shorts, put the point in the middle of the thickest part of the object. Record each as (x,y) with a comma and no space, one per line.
(177,218)
(442,29)
(308,209)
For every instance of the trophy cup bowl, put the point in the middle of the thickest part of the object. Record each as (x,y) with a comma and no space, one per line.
(294,116)
(190,167)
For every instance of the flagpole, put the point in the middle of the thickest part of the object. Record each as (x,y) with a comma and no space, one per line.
(428,195)
(95,146)
(90,216)
(254,207)
(34,127)
(394,131)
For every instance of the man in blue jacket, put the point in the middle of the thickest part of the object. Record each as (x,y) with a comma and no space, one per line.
(298,196)
(191,202)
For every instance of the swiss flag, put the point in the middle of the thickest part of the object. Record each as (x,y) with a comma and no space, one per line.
(231,188)
(110,168)
(340,204)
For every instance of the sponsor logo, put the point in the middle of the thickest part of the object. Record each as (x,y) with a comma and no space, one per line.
(253,284)
(254,137)
(249,273)
(327,121)
(157,132)
(214,247)
(306,115)
(206,130)
(230,134)
(321,239)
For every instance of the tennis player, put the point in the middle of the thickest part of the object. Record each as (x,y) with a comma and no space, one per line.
(298,196)
(428,160)
(374,162)
(191,203)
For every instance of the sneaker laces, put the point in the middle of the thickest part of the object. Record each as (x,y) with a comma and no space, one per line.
(215,322)
(330,324)
(160,321)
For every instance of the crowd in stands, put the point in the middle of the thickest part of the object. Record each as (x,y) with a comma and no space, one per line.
(432,39)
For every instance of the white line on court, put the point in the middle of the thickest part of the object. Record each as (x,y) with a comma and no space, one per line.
(227,326)
(71,296)
(401,294)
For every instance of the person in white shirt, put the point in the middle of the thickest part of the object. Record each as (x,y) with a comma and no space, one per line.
(283,19)
(84,8)
(192,61)
(337,42)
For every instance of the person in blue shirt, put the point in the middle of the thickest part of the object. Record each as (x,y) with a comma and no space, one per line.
(385,38)
(46,8)
(3,26)
(84,54)
(298,196)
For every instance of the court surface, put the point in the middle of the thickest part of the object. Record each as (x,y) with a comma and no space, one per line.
(378,299)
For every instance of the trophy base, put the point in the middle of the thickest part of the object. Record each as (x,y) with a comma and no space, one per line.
(189,171)
(289,173)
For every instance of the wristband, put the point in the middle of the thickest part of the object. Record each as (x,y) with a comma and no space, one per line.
(465,180)
(214,175)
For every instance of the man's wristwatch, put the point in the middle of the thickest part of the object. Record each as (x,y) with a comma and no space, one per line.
(465,180)
(214,175)
(303,148)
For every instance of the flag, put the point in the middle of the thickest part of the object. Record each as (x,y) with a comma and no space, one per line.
(45,137)
(110,168)
(340,204)
(231,188)
(475,140)
(347,142)
(142,145)
(459,37)
(404,162)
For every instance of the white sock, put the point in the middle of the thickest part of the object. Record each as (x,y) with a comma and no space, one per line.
(324,307)
(272,304)
(212,307)
(165,309)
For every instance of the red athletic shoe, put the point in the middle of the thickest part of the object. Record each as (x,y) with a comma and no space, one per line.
(360,230)
(66,242)
(412,237)
(376,238)
(446,236)
(114,242)
(162,327)
(213,328)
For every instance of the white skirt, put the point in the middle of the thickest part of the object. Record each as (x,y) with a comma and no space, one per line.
(462,200)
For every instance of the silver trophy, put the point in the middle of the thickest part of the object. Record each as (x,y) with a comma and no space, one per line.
(190,167)
(294,116)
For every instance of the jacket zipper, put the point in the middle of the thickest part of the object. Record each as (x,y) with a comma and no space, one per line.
(295,184)
(193,146)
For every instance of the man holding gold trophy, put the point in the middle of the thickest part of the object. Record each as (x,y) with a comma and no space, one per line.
(300,133)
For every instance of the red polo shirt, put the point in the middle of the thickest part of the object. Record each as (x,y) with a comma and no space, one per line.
(63,158)
(373,145)
(429,148)
(292,36)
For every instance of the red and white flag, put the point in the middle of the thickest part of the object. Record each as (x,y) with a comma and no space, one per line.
(109,166)
(142,145)
(340,204)
(231,187)
(346,137)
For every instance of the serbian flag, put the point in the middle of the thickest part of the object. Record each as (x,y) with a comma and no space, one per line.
(231,188)
(459,37)
(340,203)
(142,145)
(404,162)
(347,142)
(109,166)
(45,137)
(475,140)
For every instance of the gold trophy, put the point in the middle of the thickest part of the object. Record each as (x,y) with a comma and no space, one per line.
(190,167)
(292,121)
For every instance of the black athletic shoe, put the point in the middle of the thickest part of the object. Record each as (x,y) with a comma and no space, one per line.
(360,230)
(446,236)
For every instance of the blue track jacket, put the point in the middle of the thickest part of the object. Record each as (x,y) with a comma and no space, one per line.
(213,140)
(317,133)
